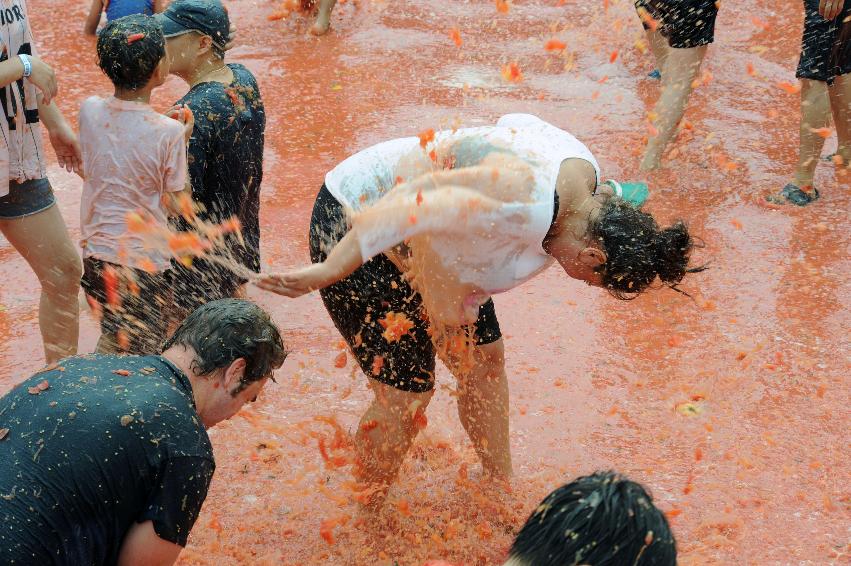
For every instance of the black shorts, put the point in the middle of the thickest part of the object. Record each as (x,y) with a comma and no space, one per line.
(199,284)
(358,302)
(26,199)
(138,314)
(685,23)
(825,44)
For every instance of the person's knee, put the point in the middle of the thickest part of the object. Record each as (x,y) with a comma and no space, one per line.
(63,275)
(489,364)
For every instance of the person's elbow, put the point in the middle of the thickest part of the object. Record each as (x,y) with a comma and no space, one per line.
(143,547)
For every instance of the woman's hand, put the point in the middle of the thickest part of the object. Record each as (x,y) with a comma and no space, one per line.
(67,147)
(183,114)
(44,79)
(296,283)
(829,9)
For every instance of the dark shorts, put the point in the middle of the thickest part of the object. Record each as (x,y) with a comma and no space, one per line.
(825,45)
(137,312)
(199,284)
(685,23)
(26,199)
(358,302)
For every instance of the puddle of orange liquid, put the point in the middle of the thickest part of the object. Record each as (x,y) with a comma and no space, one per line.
(596,383)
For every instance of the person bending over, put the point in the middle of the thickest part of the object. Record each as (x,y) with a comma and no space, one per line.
(410,239)
(115,9)
(106,459)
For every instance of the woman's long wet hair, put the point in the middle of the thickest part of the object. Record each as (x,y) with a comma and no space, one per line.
(637,250)
(603,519)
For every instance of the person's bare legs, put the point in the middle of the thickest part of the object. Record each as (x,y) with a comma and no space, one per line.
(659,47)
(385,434)
(483,405)
(681,69)
(323,17)
(840,106)
(42,239)
(815,114)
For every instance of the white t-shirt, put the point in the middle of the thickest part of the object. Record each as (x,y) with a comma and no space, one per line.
(496,251)
(21,151)
(132,156)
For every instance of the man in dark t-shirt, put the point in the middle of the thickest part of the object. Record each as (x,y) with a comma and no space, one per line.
(106,459)
(226,149)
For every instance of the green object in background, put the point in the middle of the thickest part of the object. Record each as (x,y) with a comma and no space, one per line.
(635,193)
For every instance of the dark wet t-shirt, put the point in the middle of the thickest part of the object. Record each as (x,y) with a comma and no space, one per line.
(96,452)
(226,155)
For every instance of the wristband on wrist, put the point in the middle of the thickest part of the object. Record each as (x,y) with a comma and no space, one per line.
(28,66)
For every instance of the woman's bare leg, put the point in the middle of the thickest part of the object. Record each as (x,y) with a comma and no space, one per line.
(42,239)
(815,114)
(483,405)
(385,434)
(679,72)
(840,106)
(659,47)
(323,17)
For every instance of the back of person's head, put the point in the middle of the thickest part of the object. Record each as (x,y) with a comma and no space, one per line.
(223,331)
(637,250)
(130,49)
(598,520)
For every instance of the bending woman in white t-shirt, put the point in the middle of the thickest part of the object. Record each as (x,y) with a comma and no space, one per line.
(408,271)
(29,219)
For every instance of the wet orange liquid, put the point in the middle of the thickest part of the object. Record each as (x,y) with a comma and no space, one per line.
(730,408)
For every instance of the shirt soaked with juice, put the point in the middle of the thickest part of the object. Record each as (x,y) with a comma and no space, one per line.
(132,157)
(494,250)
(92,447)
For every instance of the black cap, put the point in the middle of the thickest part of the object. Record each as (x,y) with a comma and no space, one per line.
(207,17)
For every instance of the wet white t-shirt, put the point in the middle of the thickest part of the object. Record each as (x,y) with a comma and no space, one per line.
(132,156)
(495,251)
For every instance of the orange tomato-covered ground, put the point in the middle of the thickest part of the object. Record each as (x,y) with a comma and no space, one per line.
(732,408)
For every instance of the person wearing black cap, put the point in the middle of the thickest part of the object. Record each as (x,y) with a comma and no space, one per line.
(225,152)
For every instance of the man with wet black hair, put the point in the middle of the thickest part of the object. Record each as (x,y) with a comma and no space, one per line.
(598,520)
(106,459)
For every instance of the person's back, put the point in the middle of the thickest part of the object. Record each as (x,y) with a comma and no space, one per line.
(117,9)
(89,444)
(133,156)
(226,154)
